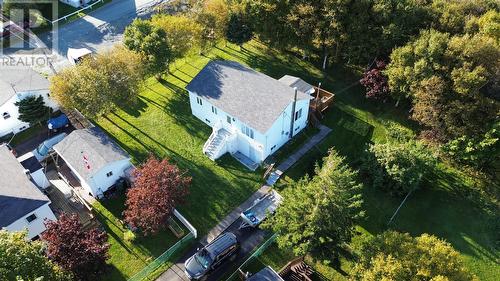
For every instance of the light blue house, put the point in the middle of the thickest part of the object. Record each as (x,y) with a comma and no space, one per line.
(251,114)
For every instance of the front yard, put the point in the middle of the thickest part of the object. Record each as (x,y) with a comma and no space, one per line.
(161,123)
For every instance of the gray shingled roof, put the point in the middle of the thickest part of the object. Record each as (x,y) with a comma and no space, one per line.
(15,80)
(18,195)
(95,145)
(254,98)
(296,82)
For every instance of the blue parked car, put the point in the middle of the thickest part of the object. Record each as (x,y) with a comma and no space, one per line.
(58,122)
(43,150)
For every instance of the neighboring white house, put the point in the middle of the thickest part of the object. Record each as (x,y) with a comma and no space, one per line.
(252,115)
(16,84)
(94,159)
(22,204)
(75,3)
(34,169)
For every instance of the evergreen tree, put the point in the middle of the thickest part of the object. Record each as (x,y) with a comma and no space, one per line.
(33,110)
(319,215)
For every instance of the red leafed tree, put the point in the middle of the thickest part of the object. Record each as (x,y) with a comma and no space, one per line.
(375,82)
(82,252)
(158,188)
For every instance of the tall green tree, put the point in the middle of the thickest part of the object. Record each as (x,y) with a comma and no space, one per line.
(151,42)
(481,152)
(375,27)
(24,259)
(271,23)
(97,86)
(450,16)
(239,30)
(33,110)
(319,215)
(398,256)
(451,82)
(304,24)
(398,167)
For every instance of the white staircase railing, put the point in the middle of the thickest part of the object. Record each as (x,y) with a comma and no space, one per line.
(220,146)
(209,141)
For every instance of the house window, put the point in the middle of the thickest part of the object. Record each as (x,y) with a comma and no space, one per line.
(6,115)
(298,114)
(31,218)
(214,110)
(208,121)
(109,174)
(228,119)
(247,131)
(199,101)
(272,148)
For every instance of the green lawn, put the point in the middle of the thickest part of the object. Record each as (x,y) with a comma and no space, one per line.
(161,123)
(439,208)
(25,135)
(128,258)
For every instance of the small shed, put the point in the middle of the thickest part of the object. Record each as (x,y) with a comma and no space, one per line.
(94,158)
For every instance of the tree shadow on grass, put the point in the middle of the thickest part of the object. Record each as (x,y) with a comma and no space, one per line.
(114,274)
(179,109)
(134,108)
(349,137)
(436,211)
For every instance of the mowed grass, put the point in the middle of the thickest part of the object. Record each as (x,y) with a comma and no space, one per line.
(161,123)
(128,258)
(438,208)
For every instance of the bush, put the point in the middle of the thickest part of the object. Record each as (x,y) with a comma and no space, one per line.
(129,236)
(397,167)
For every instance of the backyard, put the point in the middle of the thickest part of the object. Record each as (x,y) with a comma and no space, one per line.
(160,122)
(128,257)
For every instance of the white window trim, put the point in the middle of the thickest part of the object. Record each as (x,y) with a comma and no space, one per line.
(32,214)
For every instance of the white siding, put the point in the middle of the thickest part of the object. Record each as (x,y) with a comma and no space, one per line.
(279,133)
(12,124)
(100,182)
(258,148)
(35,227)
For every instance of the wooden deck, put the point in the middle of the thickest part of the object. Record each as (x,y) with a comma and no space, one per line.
(60,203)
(322,100)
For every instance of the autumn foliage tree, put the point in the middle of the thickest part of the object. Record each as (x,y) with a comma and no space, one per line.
(82,252)
(158,188)
(375,82)
(21,259)
(398,256)
(97,86)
